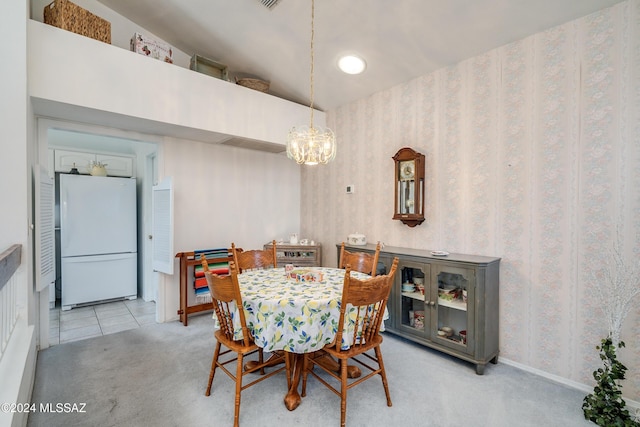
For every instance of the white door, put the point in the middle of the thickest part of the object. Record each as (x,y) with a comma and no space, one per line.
(45,244)
(148,277)
(163,256)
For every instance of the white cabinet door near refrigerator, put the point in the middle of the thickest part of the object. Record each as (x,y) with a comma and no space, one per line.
(98,233)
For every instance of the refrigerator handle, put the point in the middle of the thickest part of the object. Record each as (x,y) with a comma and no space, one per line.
(63,205)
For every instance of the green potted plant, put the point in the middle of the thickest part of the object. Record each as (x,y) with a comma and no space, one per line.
(605,406)
(617,286)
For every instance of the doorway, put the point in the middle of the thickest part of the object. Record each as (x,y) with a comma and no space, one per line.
(94,140)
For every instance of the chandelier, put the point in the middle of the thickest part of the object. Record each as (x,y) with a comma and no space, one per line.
(311,144)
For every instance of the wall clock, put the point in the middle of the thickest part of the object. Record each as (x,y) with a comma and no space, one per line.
(409,187)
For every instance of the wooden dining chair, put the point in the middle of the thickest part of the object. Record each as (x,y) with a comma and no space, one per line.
(361,314)
(227,303)
(360,261)
(254,259)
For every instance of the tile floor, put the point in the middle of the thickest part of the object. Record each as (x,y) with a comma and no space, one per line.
(101,319)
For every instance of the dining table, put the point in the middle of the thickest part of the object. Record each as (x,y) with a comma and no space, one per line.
(296,312)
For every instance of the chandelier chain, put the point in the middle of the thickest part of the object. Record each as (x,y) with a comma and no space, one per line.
(312,59)
(307,144)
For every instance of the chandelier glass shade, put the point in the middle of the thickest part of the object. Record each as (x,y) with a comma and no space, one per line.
(311,145)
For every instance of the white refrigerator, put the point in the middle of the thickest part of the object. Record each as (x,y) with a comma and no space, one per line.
(98,239)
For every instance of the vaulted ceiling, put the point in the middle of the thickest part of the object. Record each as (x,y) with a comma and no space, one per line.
(399,39)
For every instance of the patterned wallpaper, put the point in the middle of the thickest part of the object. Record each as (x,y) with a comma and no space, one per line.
(533,155)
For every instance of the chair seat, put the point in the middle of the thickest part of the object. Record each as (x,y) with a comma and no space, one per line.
(354,350)
(236,346)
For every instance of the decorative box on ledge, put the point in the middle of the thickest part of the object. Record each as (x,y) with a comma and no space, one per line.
(209,67)
(152,48)
(71,17)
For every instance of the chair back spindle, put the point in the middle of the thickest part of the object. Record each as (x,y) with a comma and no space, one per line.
(368,297)
(225,292)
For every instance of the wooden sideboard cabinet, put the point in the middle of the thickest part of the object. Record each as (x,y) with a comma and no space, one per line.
(298,255)
(449,303)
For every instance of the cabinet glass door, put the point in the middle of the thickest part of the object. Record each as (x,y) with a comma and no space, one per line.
(453,324)
(413,281)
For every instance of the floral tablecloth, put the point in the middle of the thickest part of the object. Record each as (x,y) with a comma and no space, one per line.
(299,317)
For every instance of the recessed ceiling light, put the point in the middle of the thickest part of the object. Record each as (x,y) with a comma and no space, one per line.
(352,64)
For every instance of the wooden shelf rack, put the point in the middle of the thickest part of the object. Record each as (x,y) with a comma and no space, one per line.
(188,260)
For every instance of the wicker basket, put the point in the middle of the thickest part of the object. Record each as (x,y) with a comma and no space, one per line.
(255,84)
(71,17)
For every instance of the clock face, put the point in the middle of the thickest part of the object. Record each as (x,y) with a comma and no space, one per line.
(407,169)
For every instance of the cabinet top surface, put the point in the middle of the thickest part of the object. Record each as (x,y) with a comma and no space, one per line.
(288,246)
(422,253)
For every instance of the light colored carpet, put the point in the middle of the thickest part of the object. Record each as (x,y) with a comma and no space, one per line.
(156,376)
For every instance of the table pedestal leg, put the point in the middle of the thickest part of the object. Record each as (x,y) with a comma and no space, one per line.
(332,365)
(273,360)
(292,399)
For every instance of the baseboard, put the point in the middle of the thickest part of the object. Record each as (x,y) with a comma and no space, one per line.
(633,406)
(17,370)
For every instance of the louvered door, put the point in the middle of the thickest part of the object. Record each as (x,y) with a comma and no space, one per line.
(45,240)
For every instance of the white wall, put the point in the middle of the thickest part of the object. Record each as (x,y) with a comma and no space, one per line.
(224,195)
(533,155)
(13,115)
(18,363)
